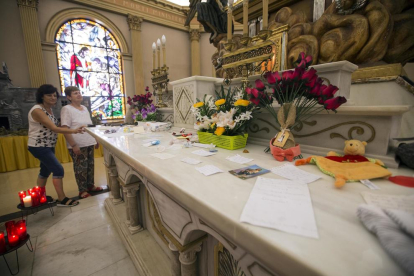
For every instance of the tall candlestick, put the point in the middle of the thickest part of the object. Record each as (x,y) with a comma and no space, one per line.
(2,243)
(27,201)
(154,47)
(159,52)
(265,13)
(164,56)
(229,21)
(245,17)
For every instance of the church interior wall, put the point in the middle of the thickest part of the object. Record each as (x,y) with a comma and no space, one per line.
(206,51)
(12,49)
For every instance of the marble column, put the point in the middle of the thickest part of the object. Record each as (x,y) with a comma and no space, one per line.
(133,207)
(134,23)
(32,41)
(175,262)
(115,189)
(124,190)
(195,52)
(188,260)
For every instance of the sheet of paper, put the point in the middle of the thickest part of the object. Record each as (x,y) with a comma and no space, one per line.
(139,130)
(203,153)
(404,203)
(191,161)
(205,146)
(175,147)
(239,159)
(369,184)
(294,173)
(147,145)
(281,204)
(209,170)
(163,155)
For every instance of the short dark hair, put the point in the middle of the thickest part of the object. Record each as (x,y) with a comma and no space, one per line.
(83,49)
(70,89)
(45,89)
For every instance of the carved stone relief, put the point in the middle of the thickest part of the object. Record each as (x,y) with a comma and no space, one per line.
(183,101)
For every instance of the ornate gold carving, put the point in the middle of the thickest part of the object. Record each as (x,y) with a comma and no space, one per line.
(378,73)
(28,3)
(195,34)
(224,262)
(134,22)
(255,128)
(232,245)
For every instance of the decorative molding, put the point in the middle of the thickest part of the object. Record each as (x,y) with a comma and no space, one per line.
(28,3)
(232,245)
(61,17)
(189,256)
(183,102)
(195,34)
(134,22)
(224,262)
(49,47)
(132,191)
(378,73)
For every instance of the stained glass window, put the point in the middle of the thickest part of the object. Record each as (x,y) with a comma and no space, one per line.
(89,58)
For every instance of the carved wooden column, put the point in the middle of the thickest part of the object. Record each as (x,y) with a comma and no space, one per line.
(188,260)
(134,23)
(115,189)
(128,221)
(175,262)
(195,52)
(133,207)
(32,41)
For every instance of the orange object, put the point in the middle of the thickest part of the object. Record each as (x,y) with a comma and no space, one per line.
(406,181)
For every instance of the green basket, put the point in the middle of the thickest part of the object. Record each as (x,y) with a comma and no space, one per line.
(223,141)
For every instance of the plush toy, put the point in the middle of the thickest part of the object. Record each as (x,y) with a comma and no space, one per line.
(352,166)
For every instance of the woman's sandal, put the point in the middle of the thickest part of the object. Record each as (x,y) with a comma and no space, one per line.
(67,202)
(84,194)
(95,189)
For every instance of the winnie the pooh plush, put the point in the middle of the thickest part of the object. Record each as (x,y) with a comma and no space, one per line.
(352,166)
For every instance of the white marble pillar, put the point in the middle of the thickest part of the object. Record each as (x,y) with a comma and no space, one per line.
(124,190)
(175,262)
(188,260)
(115,189)
(132,199)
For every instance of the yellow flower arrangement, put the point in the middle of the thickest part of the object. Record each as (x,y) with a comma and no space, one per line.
(219,131)
(241,102)
(199,104)
(220,102)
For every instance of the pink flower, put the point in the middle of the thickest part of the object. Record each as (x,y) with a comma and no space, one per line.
(334,103)
(297,74)
(287,75)
(273,77)
(329,91)
(303,61)
(310,75)
(252,91)
(260,85)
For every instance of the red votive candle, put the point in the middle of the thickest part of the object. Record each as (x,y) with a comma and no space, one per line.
(13,240)
(42,191)
(9,227)
(35,199)
(21,229)
(22,194)
(30,191)
(43,199)
(2,243)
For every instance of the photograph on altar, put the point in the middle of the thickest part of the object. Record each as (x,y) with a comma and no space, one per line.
(248,172)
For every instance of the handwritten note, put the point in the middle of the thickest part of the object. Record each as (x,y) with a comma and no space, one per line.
(404,203)
(163,155)
(239,159)
(281,204)
(175,147)
(209,170)
(203,153)
(191,161)
(293,173)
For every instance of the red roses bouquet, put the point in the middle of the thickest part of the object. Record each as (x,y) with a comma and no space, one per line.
(301,94)
(140,101)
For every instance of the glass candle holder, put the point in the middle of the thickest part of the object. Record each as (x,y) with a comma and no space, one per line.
(2,243)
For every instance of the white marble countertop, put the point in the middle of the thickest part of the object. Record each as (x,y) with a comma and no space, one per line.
(345,247)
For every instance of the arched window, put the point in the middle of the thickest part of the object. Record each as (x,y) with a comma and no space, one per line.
(89,58)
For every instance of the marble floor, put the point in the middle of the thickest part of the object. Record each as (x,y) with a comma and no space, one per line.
(75,241)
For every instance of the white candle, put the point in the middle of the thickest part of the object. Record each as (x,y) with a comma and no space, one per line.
(164,55)
(154,47)
(159,52)
(27,201)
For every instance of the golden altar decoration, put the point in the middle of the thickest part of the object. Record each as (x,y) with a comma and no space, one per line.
(15,156)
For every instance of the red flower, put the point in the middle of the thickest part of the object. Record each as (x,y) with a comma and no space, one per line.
(252,91)
(260,85)
(297,74)
(329,91)
(303,61)
(310,75)
(287,75)
(334,103)
(273,77)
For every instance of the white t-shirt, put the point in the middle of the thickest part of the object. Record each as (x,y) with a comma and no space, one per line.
(39,135)
(74,118)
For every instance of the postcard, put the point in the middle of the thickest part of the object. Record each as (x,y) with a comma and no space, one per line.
(249,172)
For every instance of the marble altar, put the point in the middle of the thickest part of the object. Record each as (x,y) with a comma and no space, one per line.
(173,220)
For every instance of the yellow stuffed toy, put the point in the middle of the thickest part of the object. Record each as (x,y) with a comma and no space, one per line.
(352,166)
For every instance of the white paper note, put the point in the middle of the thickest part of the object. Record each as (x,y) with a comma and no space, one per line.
(191,161)
(163,155)
(203,152)
(293,173)
(404,203)
(205,146)
(281,204)
(209,170)
(239,159)
(175,147)
(369,184)
(139,130)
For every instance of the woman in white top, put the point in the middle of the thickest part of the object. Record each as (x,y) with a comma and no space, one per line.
(43,131)
(81,147)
